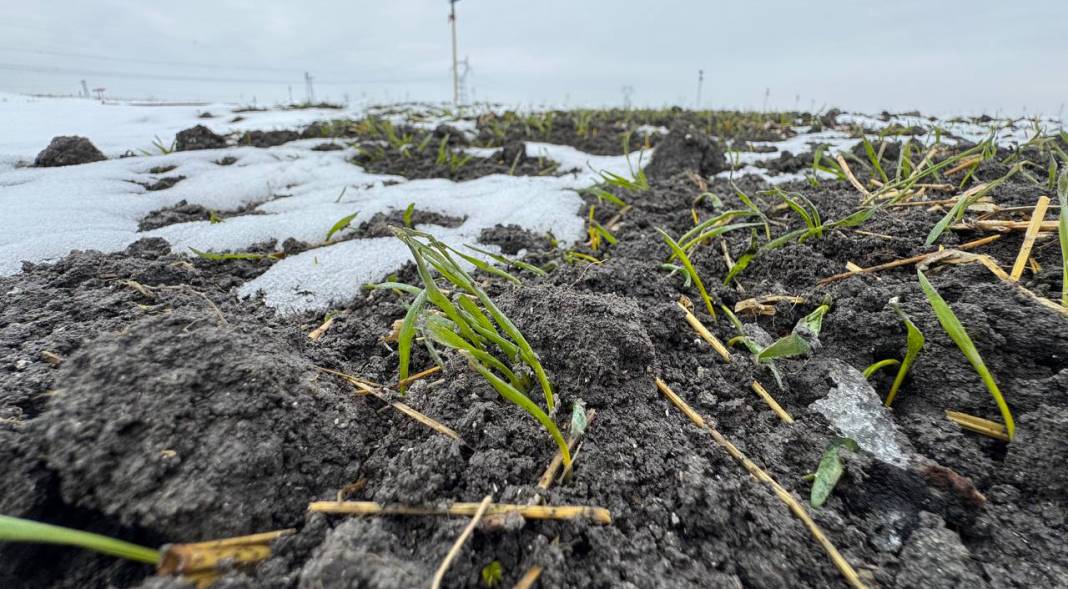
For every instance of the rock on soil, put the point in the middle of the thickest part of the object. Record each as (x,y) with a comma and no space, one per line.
(68,150)
(686,148)
(199,137)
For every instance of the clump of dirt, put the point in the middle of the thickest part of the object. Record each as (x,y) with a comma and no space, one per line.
(183,212)
(379,224)
(328,147)
(268,138)
(512,239)
(198,137)
(68,151)
(420,159)
(220,414)
(162,184)
(787,163)
(687,149)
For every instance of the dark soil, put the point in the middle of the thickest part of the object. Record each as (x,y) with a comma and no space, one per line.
(183,212)
(268,138)
(165,422)
(68,151)
(198,137)
(412,163)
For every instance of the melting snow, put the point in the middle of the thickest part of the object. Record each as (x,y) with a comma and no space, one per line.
(46,213)
(1009,133)
(856,411)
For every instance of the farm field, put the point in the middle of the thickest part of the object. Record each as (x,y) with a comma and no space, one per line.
(668,348)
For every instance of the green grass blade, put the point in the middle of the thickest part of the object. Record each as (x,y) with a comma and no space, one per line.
(743,260)
(713,233)
(957,333)
(829,471)
(488,268)
(756,211)
(509,329)
(874,159)
(509,392)
(1062,233)
(603,195)
(414,290)
(681,255)
(785,347)
(342,223)
(877,366)
(14,529)
(721,218)
(442,331)
(434,294)
(407,334)
(915,341)
(509,261)
(216,257)
(406,217)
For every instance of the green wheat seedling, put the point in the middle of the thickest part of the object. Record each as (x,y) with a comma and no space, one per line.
(603,195)
(804,208)
(748,202)
(829,471)
(583,118)
(801,341)
(959,335)
(638,181)
(914,343)
(161,148)
(881,364)
(471,323)
(506,261)
(1062,233)
(598,233)
(678,252)
(874,159)
(409,212)
(751,345)
(712,228)
(956,213)
(226,257)
(341,225)
(14,529)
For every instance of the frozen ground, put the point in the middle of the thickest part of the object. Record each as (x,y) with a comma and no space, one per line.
(297,192)
(46,213)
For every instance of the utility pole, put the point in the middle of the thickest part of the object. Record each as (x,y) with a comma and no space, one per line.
(309,88)
(627,91)
(463,81)
(455,61)
(700,80)
(85,89)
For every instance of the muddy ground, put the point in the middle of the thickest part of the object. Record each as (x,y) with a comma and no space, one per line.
(172,411)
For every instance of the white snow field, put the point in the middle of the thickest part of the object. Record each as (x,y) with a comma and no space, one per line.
(297,192)
(47,212)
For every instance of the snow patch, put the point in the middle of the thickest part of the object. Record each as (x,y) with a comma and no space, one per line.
(856,411)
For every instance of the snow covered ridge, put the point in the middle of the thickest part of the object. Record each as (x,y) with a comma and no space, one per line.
(297,192)
(1007,133)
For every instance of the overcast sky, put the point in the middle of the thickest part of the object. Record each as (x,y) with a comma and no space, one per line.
(938,56)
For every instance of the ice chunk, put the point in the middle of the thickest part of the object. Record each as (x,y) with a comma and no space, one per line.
(856,411)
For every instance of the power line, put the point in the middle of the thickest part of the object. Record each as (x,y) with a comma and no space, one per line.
(181,78)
